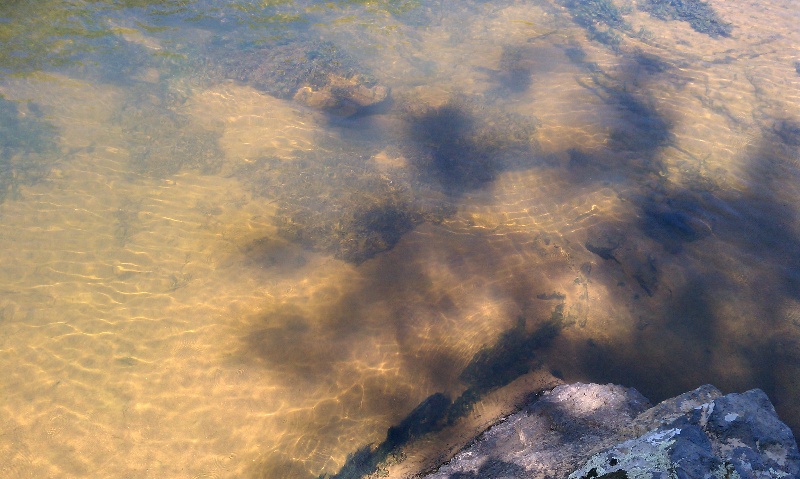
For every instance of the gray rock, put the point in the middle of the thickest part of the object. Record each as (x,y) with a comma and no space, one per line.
(585,431)
(551,437)
(733,436)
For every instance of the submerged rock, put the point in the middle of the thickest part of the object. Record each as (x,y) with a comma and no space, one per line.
(585,431)
(316,74)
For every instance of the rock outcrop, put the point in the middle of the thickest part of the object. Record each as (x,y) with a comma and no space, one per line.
(585,431)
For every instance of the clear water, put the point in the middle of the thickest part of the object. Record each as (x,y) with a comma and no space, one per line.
(203,276)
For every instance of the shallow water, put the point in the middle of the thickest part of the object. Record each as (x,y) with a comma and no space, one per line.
(203,278)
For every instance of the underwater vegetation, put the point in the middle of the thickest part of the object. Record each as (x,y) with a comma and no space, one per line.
(701,17)
(512,356)
(42,34)
(317,74)
(26,143)
(588,13)
(592,14)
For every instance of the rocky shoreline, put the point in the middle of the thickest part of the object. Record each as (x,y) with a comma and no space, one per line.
(585,431)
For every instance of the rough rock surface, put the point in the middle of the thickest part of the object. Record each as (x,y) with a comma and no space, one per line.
(584,431)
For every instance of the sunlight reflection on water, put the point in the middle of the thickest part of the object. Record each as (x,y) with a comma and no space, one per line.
(254,240)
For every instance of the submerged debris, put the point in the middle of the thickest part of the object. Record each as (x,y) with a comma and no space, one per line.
(316,74)
(701,17)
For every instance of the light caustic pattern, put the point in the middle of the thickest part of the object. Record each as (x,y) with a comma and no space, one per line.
(156,322)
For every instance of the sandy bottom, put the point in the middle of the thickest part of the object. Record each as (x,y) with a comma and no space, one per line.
(160,326)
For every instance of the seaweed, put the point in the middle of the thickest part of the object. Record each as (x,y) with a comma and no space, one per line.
(427,417)
(589,13)
(593,14)
(699,14)
(647,129)
(25,145)
(788,131)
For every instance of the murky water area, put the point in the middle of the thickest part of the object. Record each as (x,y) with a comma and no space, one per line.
(247,238)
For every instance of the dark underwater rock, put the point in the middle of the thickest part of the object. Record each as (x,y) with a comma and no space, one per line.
(316,74)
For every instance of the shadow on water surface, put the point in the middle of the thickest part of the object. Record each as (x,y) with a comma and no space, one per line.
(463,145)
(686,298)
(702,320)
(717,324)
(678,250)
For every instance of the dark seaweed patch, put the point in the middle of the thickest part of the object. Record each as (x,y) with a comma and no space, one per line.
(672,224)
(594,14)
(650,64)
(701,17)
(514,76)
(318,74)
(458,161)
(280,70)
(589,13)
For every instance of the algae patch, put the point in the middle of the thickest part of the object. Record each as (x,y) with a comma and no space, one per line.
(700,16)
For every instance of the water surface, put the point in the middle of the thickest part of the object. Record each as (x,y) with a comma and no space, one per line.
(204,276)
